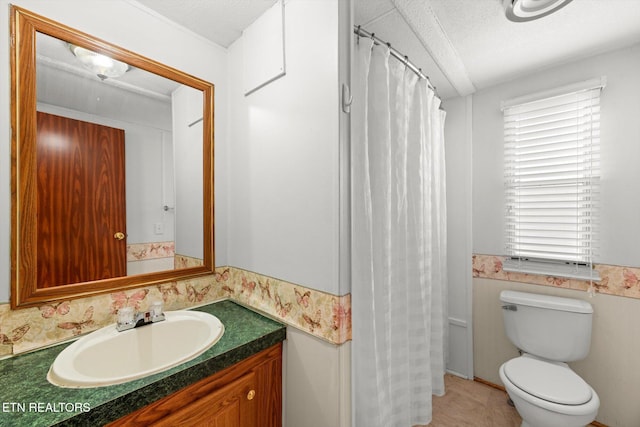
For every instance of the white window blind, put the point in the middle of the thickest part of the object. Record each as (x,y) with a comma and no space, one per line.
(552,173)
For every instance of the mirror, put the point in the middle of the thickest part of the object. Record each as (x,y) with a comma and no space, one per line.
(112,168)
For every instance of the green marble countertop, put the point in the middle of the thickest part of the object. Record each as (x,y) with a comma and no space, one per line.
(28,399)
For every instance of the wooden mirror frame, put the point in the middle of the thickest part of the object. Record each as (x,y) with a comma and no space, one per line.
(24,288)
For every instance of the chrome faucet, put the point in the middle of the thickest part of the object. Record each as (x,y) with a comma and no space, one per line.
(127,319)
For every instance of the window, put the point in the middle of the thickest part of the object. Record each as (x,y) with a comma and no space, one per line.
(552,173)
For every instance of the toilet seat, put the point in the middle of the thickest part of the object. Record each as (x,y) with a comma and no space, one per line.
(548,381)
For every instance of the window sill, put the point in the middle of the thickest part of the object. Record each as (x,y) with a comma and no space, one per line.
(551,268)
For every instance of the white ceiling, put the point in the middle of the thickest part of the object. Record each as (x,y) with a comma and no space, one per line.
(220,21)
(462,45)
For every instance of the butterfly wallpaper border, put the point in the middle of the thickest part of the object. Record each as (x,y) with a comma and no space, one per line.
(152,250)
(323,315)
(615,280)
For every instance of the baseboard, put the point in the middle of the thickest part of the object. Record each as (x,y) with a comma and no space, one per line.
(499,387)
(489,383)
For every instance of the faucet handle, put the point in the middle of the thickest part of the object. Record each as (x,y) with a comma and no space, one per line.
(155,310)
(125,316)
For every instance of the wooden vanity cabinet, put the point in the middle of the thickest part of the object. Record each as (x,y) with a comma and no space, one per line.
(247,394)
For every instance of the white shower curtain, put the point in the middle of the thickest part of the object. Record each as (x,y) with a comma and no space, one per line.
(398,242)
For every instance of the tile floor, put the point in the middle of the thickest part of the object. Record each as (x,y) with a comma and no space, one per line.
(472,404)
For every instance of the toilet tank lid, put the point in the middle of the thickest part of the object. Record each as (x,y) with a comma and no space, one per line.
(546,301)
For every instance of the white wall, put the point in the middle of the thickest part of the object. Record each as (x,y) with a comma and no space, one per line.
(127,24)
(315,393)
(286,160)
(458,165)
(620,151)
(284,156)
(187,149)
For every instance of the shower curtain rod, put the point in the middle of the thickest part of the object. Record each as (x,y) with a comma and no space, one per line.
(357,29)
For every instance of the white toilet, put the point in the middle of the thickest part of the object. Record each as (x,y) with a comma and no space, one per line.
(549,331)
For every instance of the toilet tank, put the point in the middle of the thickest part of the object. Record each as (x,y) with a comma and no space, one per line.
(550,327)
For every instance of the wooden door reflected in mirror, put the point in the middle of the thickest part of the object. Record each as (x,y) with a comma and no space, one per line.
(81,201)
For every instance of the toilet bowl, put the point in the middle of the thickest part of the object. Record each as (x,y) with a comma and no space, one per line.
(548,394)
(549,331)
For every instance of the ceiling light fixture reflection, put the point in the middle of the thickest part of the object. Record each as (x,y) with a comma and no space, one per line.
(528,10)
(101,65)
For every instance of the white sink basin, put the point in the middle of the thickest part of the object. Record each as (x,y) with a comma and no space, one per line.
(107,357)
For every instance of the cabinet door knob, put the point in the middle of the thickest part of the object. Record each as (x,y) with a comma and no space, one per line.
(119,235)
(251,394)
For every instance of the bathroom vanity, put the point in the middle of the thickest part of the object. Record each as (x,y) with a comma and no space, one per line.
(248,393)
(240,376)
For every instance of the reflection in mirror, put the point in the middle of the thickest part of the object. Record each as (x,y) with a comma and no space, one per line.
(82,94)
(120,195)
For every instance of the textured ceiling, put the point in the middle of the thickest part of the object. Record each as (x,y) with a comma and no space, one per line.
(462,45)
(475,46)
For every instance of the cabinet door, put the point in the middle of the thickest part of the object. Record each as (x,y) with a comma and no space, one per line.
(233,405)
(247,394)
